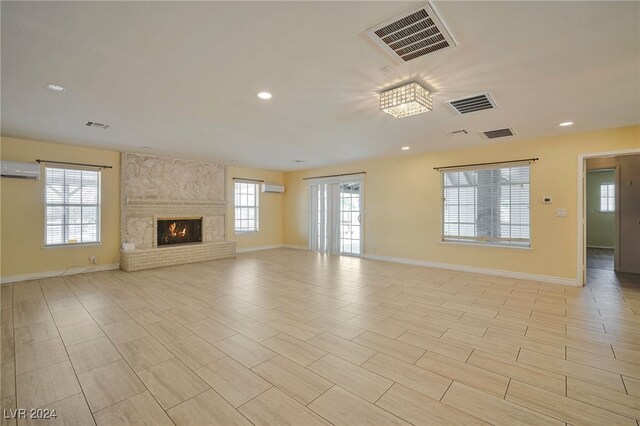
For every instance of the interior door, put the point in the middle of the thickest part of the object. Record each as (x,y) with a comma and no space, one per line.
(335,216)
(628,255)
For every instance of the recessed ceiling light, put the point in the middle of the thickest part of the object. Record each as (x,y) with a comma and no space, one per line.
(54,87)
(264,95)
(146,147)
(405,148)
(566,124)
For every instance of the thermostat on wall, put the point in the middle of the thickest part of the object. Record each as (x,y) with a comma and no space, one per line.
(547,200)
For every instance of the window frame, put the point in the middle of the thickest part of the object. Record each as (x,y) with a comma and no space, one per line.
(255,207)
(510,243)
(608,197)
(97,205)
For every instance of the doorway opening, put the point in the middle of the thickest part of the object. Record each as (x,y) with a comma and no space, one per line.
(336,215)
(601,214)
(609,209)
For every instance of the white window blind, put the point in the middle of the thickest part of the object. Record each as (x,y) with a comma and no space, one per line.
(72,206)
(607,197)
(246,207)
(487,206)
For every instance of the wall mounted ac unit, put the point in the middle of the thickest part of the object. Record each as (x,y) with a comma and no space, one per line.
(272,187)
(20,170)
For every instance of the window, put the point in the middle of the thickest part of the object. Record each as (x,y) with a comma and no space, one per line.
(72,206)
(246,203)
(487,206)
(607,197)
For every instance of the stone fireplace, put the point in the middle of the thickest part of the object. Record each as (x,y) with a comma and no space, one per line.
(173,211)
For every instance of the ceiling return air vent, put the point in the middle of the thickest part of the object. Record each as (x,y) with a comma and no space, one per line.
(499,133)
(472,104)
(412,34)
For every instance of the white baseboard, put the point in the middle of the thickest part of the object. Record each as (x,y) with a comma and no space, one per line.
(49,274)
(275,246)
(290,246)
(476,270)
(250,249)
(601,247)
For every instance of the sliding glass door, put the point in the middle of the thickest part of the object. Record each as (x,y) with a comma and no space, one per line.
(350,219)
(336,215)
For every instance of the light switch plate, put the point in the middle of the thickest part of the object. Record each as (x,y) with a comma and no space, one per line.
(561,212)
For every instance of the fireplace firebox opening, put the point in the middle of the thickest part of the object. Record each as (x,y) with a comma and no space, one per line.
(179,231)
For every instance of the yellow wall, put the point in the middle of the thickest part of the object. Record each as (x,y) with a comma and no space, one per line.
(270,210)
(600,225)
(22,211)
(403,203)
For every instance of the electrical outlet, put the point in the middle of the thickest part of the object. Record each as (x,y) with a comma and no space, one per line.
(93,259)
(561,212)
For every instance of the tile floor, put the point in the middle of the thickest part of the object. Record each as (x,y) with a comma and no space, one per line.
(290,337)
(600,258)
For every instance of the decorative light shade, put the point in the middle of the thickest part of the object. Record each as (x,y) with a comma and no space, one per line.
(403,101)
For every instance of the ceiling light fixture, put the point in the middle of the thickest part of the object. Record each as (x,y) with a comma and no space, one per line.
(54,87)
(566,124)
(405,148)
(264,95)
(407,100)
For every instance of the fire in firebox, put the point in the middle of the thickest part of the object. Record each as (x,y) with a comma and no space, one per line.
(179,231)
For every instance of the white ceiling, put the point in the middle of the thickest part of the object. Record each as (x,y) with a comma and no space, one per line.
(182,77)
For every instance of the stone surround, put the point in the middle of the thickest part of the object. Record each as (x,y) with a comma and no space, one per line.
(155,188)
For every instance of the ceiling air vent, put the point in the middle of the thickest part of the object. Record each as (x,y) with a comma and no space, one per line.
(460,132)
(500,133)
(412,34)
(472,104)
(96,125)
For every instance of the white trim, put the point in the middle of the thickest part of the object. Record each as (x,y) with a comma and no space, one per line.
(258,248)
(271,247)
(50,274)
(293,247)
(71,245)
(476,270)
(461,243)
(582,223)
